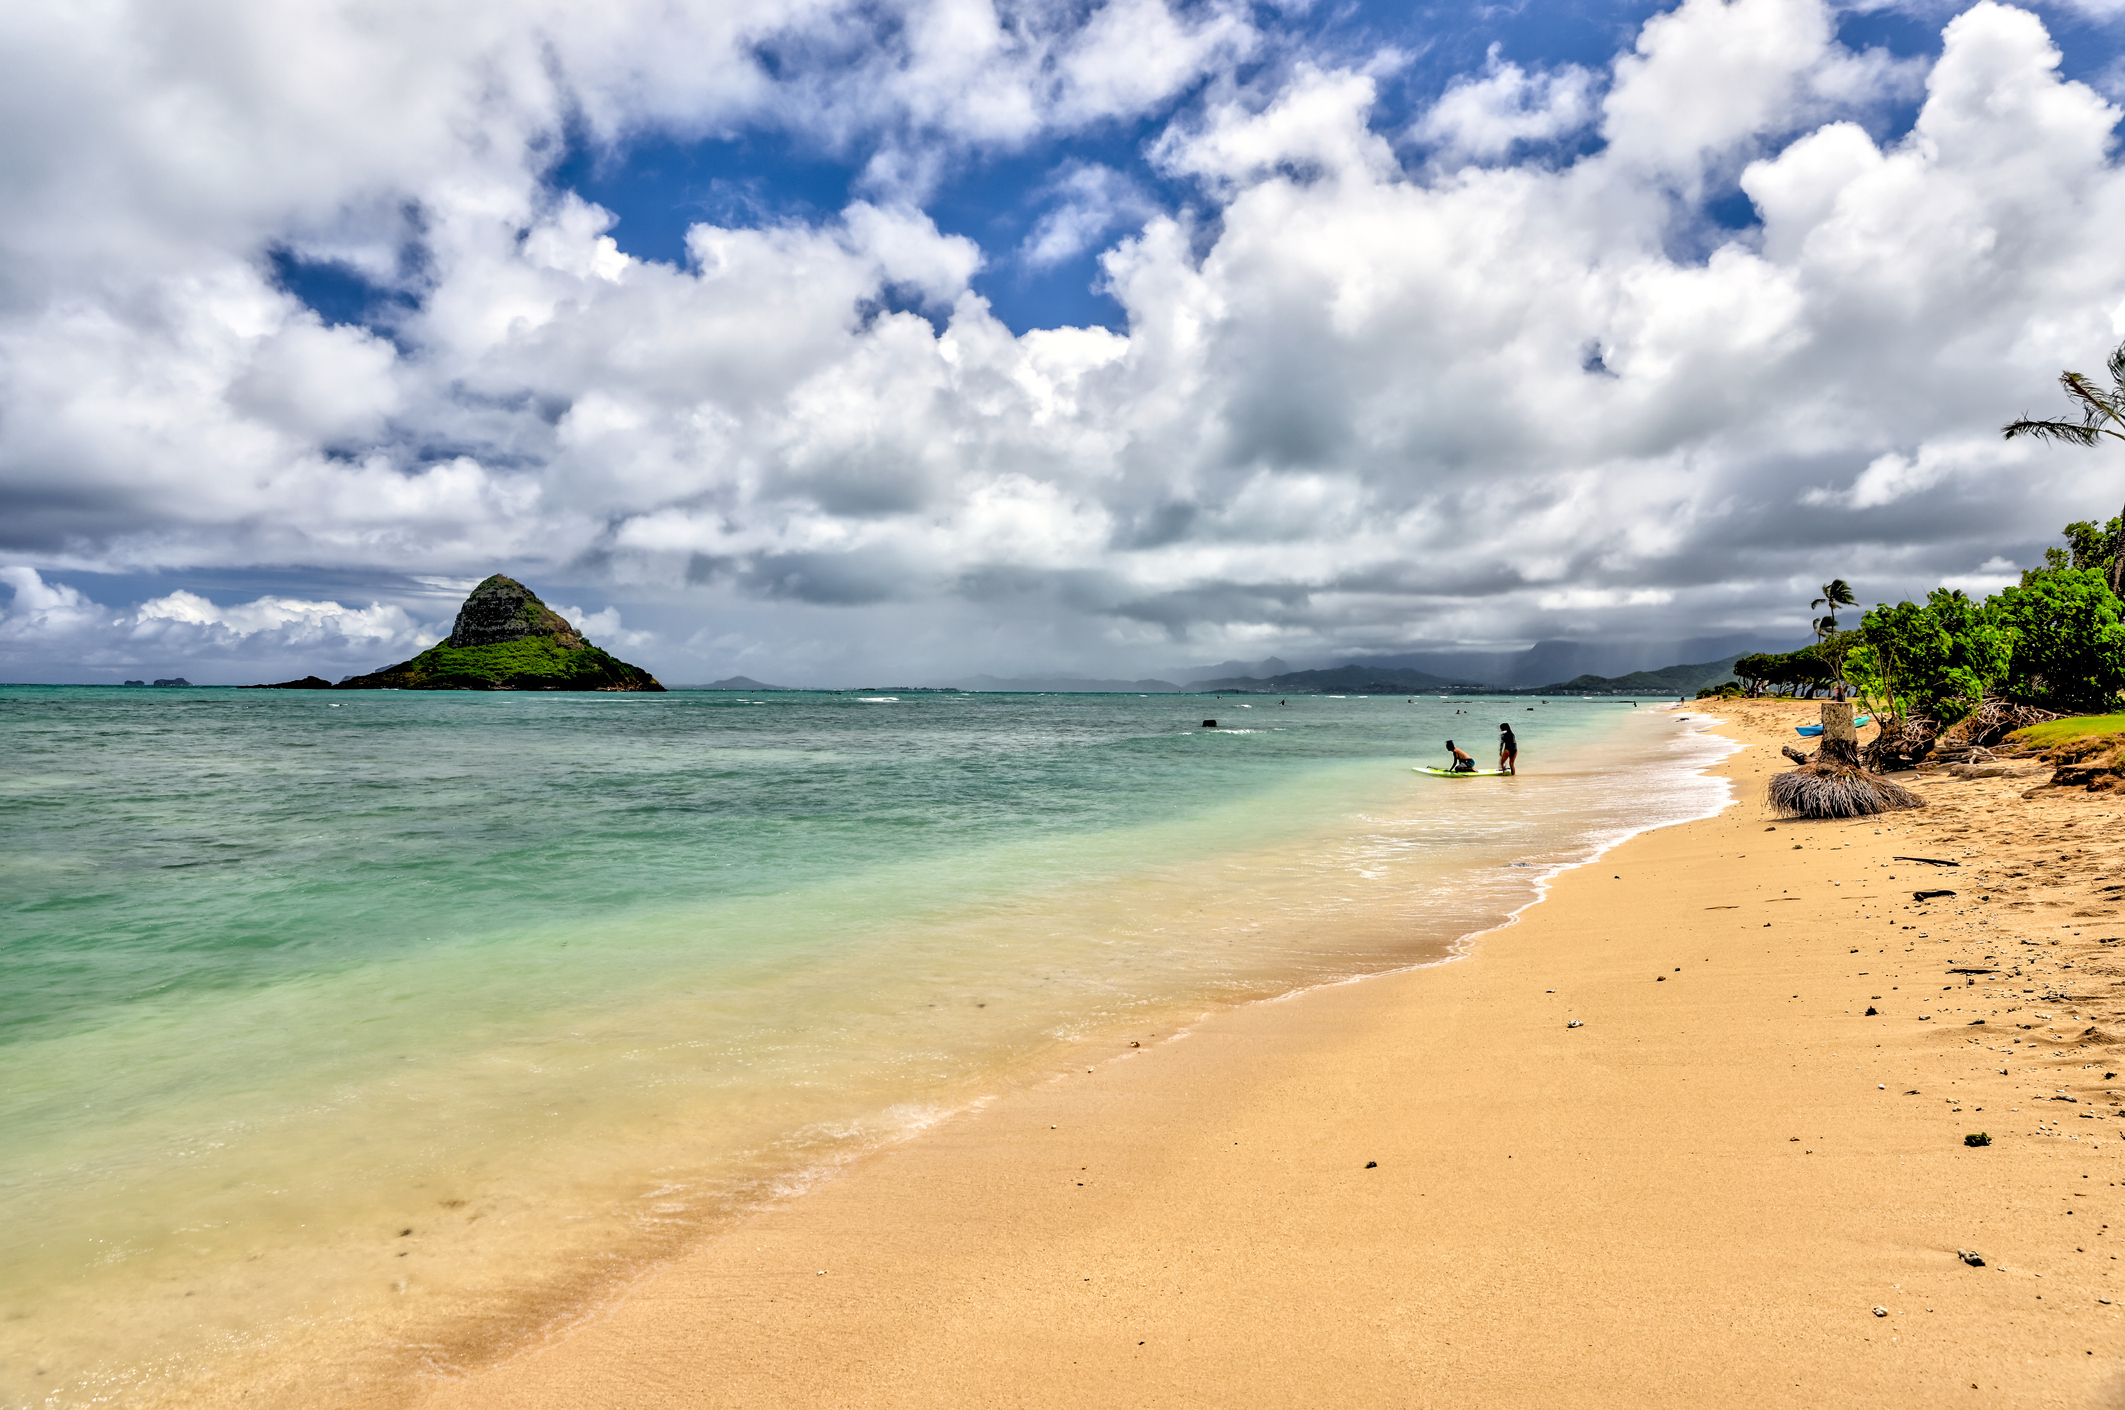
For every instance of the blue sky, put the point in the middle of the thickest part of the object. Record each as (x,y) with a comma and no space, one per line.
(660,183)
(815,340)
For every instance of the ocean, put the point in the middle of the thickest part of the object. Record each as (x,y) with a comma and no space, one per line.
(350,1037)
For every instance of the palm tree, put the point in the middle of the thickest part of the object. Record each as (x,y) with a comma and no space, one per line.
(1836,593)
(2097,407)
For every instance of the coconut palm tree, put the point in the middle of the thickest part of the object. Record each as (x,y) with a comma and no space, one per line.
(1836,593)
(2102,414)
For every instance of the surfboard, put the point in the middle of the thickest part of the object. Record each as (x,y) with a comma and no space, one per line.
(1465,773)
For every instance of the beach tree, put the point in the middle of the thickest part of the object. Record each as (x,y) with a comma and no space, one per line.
(1806,669)
(2089,545)
(2102,414)
(1756,670)
(1935,660)
(2068,632)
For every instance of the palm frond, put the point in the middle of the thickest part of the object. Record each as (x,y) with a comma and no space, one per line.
(2094,405)
(2117,366)
(2071,433)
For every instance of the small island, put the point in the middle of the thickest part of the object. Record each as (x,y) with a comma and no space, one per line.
(505,638)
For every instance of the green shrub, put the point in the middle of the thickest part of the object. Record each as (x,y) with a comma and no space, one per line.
(2069,645)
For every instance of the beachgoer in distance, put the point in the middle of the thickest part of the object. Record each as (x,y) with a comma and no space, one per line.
(1462,764)
(1508,749)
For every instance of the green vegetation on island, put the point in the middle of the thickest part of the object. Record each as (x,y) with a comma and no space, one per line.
(535,663)
(505,638)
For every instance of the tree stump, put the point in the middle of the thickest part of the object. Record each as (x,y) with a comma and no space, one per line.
(1840,741)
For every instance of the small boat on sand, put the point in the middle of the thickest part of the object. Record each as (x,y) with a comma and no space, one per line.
(1812,730)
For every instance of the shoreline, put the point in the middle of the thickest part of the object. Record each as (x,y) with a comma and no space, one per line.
(1697,1197)
(1333,902)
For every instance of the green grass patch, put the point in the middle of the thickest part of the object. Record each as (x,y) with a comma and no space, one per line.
(2057,732)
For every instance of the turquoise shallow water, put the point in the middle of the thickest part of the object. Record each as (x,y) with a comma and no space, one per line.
(557,980)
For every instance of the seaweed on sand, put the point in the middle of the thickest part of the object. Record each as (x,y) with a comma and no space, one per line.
(1827,789)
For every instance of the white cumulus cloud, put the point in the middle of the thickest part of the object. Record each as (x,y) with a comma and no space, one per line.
(1485,116)
(1526,391)
(48,622)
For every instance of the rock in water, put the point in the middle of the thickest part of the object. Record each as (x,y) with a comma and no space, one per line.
(506,639)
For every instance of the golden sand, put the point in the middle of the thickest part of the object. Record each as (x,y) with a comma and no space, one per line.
(1728,1187)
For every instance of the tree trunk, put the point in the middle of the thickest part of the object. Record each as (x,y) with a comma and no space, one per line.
(1840,741)
(2117,568)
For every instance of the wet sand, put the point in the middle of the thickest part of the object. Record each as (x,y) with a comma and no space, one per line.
(1426,1189)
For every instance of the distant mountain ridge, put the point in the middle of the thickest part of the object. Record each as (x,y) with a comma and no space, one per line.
(1338,680)
(1066,682)
(1263,669)
(734,683)
(1547,663)
(1668,680)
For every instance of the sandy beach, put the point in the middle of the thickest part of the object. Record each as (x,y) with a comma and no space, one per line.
(1730,1185)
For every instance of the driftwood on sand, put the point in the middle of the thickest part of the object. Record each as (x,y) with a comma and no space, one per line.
(1989,722)
(1901,742)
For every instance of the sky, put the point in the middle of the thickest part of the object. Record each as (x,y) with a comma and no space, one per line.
(830,342)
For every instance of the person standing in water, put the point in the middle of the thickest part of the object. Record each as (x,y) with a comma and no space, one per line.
(1461,764)
(1508,750)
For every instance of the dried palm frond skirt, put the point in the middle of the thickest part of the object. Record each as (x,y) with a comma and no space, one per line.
(1829,790)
